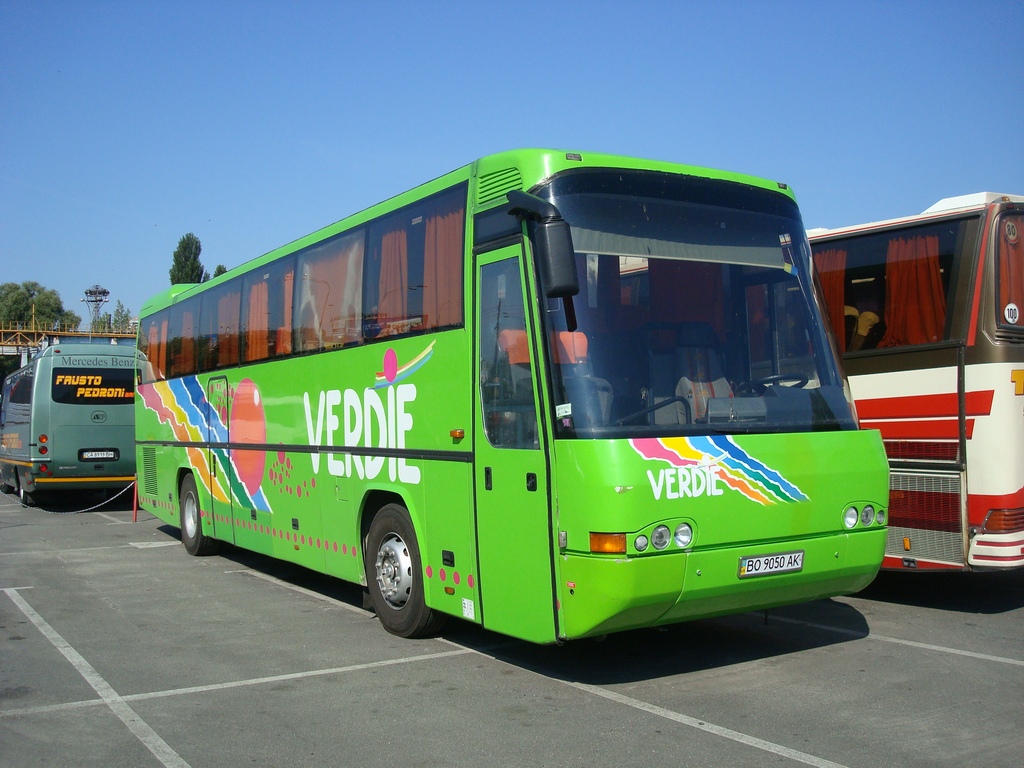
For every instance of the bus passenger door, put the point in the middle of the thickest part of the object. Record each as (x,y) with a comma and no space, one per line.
(218,420)
(513,518)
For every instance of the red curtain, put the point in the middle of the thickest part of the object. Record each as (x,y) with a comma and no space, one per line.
(915,303)
(284,333)
(442,270)
(257,346)
(227,328)
(186,363)
(394,281)
(157,349)
(831,266)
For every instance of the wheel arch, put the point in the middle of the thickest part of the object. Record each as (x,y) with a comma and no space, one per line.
(374,501)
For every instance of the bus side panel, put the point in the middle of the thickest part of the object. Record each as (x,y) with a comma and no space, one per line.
(995,467)
(448,546)
(301,502)
(911,396)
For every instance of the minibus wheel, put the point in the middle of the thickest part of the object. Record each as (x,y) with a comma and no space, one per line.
(394,575)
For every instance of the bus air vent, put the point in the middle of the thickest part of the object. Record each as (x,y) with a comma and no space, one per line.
(149,471)
(492,186)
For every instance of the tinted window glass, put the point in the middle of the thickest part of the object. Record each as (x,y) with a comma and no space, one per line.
(328,293)
(219,320)
(414,267)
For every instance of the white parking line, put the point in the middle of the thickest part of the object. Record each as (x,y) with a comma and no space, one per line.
(143,732)
(899,641)
(692,722)
(703,725)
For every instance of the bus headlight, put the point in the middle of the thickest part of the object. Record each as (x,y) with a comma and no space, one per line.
(867,515)
(850,517)
(683,535)
(641,543)
(660,537)
(880,517)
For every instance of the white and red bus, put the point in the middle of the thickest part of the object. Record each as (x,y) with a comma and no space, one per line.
(927,313)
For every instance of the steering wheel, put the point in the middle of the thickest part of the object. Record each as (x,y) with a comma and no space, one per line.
(762,384)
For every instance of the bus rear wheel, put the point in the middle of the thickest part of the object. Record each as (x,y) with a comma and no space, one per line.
(394,575)
(27,499)
(192,536)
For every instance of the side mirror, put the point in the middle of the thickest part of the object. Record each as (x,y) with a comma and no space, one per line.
(552,241)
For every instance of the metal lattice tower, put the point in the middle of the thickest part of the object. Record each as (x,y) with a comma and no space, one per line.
(96,297)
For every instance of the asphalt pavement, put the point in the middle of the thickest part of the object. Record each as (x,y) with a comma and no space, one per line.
(119,649)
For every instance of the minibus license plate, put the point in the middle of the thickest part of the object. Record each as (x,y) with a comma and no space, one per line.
(764,565)
(98,455)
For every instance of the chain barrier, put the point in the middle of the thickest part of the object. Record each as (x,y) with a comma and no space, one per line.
(77,511)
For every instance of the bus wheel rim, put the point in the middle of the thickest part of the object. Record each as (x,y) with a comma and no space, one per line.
(191,516)
(394,571)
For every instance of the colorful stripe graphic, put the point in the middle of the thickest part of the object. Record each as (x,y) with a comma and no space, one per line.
(182,405)
(738,470)
(392,373)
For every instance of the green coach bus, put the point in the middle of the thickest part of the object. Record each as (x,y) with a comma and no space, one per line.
(554,394)
(66,421)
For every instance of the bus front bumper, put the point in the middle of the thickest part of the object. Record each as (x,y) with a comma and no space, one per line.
(600,594)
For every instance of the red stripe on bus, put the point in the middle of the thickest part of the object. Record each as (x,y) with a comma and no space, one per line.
(999,559)
(979,505)
(983,543)
(978,403)
(939,429)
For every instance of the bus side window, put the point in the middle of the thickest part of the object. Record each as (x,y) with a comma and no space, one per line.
(4,395)
(328,293)
(413,276)
(218,326)
(267,312)
(1010,278)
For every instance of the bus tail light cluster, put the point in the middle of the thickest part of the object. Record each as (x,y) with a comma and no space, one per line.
(866,515)
(42,440)
(1004,520)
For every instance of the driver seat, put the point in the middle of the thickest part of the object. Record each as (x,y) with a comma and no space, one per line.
(700,367)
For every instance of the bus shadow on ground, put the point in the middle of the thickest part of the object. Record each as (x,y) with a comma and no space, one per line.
(622,657)
(678,649)
(988,592)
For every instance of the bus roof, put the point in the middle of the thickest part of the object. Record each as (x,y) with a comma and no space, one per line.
(945,206)
(499,172)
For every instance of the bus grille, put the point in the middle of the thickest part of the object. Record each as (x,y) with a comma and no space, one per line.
(926,514)
(494,185)
(149,471)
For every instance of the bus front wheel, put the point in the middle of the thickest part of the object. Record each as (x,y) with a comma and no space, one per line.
(394,575)
(192,536)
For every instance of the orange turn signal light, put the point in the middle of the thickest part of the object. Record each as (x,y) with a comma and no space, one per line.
(608,543)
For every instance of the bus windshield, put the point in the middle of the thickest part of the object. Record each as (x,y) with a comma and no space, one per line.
(696,312)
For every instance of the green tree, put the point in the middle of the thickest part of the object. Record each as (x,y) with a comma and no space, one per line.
(22,303)
(122,321)
(186,267)
(220,270)
(17,303)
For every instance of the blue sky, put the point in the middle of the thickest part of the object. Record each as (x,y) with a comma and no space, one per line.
(124,125)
